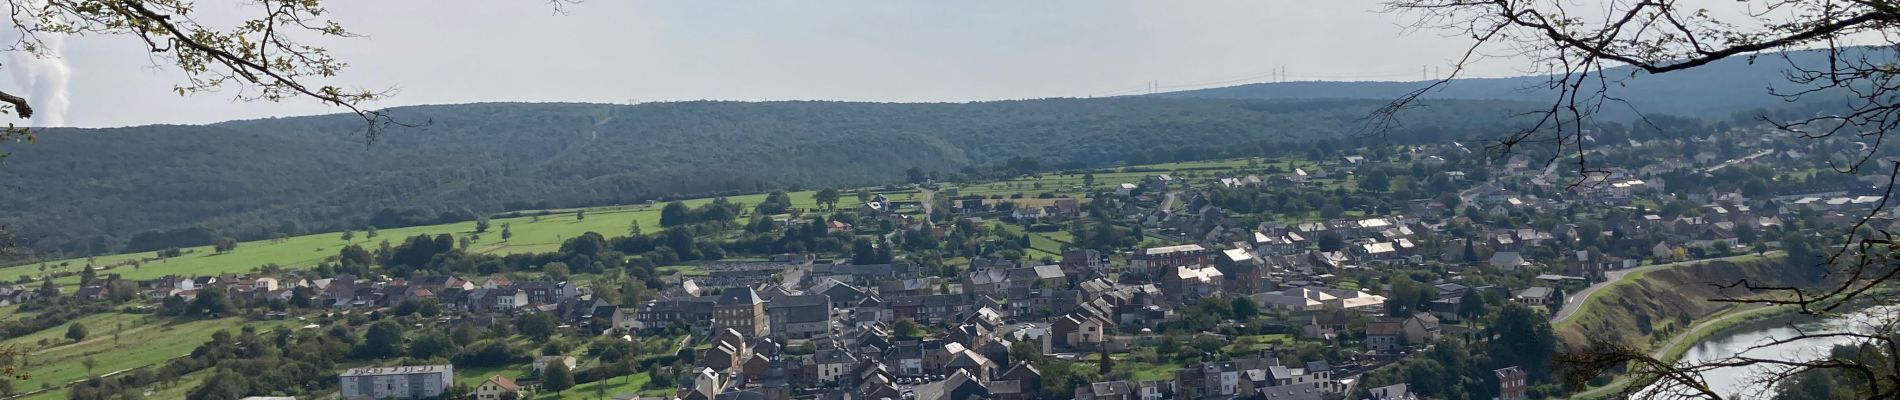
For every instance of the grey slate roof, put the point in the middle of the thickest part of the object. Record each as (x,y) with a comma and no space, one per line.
(739,296)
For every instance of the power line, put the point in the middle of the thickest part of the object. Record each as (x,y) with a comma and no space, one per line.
(1278,74)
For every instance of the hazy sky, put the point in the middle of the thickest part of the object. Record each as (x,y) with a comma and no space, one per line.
(458,51)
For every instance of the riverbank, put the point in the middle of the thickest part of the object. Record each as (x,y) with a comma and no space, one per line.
(1584,299)
(1740,320)
(1665,309)
(1700,331)
(1649,306)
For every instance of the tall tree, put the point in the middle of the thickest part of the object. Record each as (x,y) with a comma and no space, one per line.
(915,175)
(557,378)
(382,339)
(1026,351)
(1375,180)
(1471,305)
(76,331)
(225,244)
(828,197)
(776,202)
(210,301)
(538,326)
(431,345)
(675,214)
(1245,308)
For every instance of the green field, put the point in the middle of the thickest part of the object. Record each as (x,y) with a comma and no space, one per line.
(145,341)
(687,270)
(13,312)
(1041,244)
(1138,370)
(545,233)
(473,377)
(530,235)
(635,383)
(1256,343)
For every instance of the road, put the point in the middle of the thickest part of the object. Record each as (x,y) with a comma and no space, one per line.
(927,203)
(1750,157)
(1575,301)
(794,277)
(1167,202)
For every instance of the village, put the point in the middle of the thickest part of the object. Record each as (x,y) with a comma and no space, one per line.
(1296,277)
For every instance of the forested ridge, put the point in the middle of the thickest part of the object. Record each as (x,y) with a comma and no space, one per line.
(1725,89)
(81,191)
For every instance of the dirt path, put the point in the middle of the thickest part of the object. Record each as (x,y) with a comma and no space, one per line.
(927,203)
(96,338)
(491,248)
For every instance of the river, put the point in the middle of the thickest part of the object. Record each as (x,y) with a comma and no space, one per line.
(1736,381)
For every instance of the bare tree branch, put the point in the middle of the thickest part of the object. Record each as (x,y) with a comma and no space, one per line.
(1586,55)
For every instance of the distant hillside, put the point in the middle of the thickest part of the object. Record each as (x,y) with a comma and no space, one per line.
(1717,91)
(96,190)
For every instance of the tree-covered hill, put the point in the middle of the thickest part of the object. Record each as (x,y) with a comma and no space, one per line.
(1719,90)
(97,190)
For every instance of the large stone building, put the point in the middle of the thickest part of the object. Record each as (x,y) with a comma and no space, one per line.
(1159,260)
(405,382)
(742,310)
(799,317)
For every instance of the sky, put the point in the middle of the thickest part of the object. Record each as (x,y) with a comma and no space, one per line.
(458,51)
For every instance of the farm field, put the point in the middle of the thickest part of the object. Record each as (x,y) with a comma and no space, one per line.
(530,234)
(144,341)
(13,312)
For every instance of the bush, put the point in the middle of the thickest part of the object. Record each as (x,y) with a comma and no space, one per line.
(76,332)
(491,353)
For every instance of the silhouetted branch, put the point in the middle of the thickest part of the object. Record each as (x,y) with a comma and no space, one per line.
(1580,52)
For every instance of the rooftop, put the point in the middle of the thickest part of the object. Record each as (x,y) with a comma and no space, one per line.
(402,370)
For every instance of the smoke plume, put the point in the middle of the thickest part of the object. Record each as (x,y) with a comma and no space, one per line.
(42,79)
